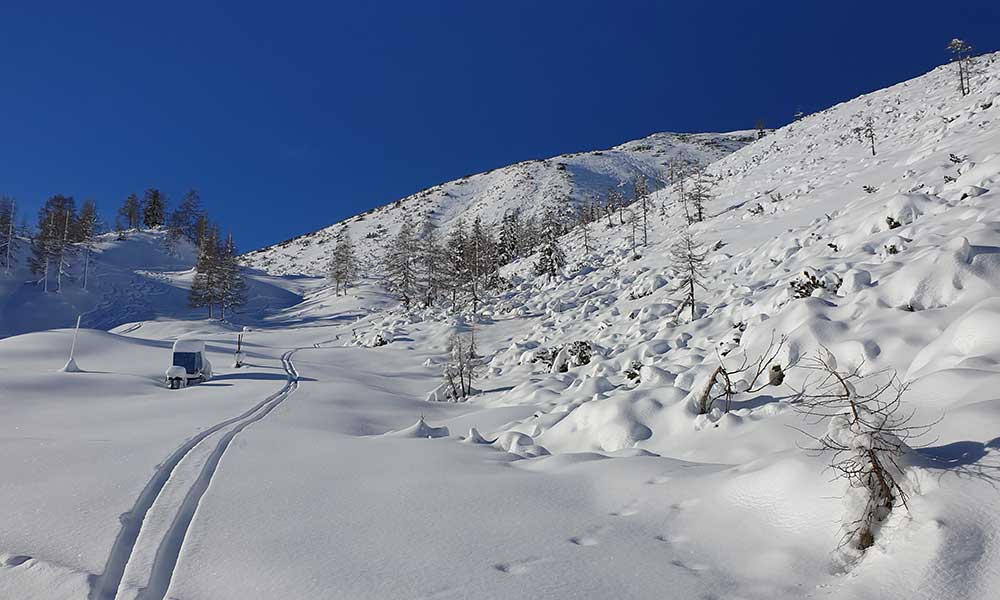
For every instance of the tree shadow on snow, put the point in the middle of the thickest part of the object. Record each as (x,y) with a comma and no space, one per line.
(967,459)
(254,376)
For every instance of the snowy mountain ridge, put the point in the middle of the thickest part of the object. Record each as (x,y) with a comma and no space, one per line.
(524,185)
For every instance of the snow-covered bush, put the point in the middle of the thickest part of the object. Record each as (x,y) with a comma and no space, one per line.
(811,280)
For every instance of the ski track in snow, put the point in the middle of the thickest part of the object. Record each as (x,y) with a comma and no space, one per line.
(106,586)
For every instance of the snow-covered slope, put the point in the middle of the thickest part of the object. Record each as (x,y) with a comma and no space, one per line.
(907,244)
(525,185)
(130,280)
(318,470)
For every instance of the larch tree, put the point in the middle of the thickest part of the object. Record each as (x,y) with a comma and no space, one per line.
(399,266)
(131,212)
(8,236)
(50,246)
(204,285)
(88,225)
(688,261)
(182,222)
(642,200)
(343,268)
(961,55)
(699,192)
(456,267)
(431,263)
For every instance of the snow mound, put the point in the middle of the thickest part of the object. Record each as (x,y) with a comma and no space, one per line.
(420,429)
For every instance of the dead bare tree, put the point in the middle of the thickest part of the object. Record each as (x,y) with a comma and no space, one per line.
(750,377)
(868,435)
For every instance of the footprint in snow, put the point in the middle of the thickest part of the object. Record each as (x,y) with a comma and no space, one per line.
(516,567)
(584,540)
(626,511)
(685,504)
(659,480)
(693,567)
(16,560)
(590,538)
(670,539)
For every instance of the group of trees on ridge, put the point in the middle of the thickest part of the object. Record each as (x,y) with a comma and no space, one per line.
(64,235)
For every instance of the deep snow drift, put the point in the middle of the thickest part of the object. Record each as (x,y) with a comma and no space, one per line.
(320,470)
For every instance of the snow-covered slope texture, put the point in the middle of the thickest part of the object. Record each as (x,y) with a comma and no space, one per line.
(525,185)
(130,280)
(906,245)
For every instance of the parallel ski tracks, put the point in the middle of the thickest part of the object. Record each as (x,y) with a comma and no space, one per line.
(127,544)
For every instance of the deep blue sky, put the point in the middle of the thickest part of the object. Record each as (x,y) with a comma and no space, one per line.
(288,116)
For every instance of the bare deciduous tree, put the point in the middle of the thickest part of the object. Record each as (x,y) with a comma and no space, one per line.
(867,437)
(750,377)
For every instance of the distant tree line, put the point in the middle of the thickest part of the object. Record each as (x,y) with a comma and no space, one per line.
(64,235)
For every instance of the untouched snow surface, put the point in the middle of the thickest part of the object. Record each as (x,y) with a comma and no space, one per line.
(320,470)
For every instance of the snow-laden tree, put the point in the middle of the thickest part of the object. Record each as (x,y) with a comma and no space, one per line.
(511,243)
(688,262)
(231,290)
(866,132)
(456,267)
(462,369)
(154,212)
(399,265)
(961,55)
(343,267)
(551,258)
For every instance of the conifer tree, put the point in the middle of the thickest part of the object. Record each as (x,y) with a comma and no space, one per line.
(456,266)
(688,258)
(343,266)
(231,290)
(131,212)
(8,237)
(88,224)
(699,192)
(642,199)
(399,265)
(50,247)
(184,220)
(961,54)
(431,263)
(551,257)
(155,208)
(204,286)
